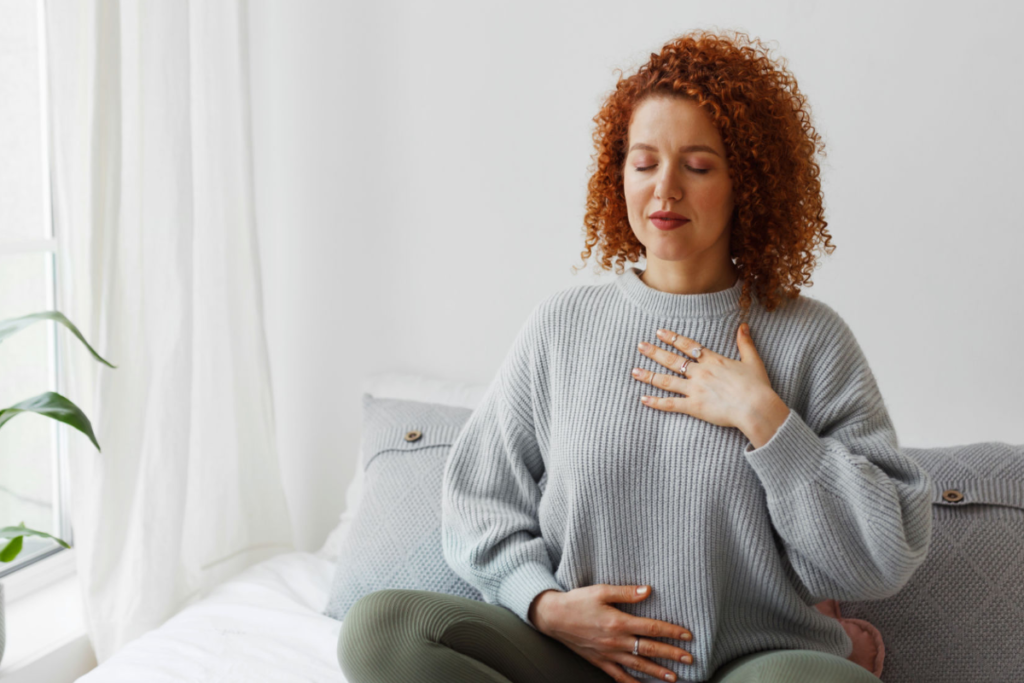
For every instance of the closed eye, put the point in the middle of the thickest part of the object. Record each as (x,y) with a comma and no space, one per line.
(695,170)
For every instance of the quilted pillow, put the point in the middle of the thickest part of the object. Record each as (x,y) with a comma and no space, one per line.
(958,618)
(394,540)
(408,386)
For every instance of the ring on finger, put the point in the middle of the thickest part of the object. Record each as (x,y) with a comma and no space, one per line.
(682,368)
(695,351)
(636,647)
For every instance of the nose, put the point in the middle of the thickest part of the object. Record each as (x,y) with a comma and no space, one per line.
(668,188)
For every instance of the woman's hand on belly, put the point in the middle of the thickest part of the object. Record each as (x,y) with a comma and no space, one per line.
(585,621)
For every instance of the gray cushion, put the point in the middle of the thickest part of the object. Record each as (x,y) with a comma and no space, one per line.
(394,540)
(959,617)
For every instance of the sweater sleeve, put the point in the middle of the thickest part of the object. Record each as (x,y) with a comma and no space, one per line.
(852,510)
(490,530)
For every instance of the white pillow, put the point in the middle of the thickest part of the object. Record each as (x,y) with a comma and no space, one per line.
(410,387)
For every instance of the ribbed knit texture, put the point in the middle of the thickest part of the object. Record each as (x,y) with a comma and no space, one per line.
(562,478)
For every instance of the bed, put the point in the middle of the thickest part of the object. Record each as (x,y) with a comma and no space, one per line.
(267,623)
(264,625)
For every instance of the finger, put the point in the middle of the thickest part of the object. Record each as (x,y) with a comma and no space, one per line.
(672,404)
(644,665)
(616,672)
(690,347)
(655,628)
(653,648)
(627,593)
(748,352)
(670,360)
(667,382)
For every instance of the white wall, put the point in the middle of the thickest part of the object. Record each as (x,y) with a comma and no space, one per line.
(421,172)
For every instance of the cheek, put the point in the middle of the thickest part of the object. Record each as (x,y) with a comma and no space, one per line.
(635,195)
(711,199)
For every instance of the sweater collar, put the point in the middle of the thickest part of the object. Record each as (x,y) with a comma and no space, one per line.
(675,306)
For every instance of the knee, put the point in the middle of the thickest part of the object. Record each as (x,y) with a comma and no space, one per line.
(375,623)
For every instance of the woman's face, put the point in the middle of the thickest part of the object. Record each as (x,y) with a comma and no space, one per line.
(676,162)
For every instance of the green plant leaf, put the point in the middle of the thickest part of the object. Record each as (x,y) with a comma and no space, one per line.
(16,534)
(53,405)
(22,530)
(9,327)
(11,550)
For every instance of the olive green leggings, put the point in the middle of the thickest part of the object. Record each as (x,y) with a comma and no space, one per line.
(413,636)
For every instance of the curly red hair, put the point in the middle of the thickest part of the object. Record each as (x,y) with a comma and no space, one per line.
(765,124)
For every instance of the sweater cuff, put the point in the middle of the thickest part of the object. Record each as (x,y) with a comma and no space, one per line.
(519,588)
(790,459)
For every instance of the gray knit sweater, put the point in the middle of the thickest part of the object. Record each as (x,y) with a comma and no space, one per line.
(562,478)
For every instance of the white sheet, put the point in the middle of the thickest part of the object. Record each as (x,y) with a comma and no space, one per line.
(263,625)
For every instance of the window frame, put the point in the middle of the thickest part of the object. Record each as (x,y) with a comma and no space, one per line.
(49,247)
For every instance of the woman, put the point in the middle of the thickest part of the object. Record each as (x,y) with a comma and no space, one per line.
(672,509)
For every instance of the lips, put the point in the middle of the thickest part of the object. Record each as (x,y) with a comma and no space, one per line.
(665,224)
(668,215)
(668,220)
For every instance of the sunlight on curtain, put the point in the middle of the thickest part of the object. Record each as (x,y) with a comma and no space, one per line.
(151,149)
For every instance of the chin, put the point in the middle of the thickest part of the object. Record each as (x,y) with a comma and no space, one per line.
(668,253)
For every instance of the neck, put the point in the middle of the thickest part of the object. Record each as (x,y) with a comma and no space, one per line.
(664,304)
(666,276)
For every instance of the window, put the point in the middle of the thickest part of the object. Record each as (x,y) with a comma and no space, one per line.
(33,475)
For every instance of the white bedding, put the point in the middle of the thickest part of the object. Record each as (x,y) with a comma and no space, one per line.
(263,625)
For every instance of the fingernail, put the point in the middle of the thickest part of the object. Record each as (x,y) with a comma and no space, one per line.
(688,659)
(641,589)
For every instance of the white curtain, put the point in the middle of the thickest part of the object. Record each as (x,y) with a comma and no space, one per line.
(151,154)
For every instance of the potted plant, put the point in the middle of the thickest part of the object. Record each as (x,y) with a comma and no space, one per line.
(48,404)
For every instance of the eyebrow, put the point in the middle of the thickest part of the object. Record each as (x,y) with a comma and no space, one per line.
(685,148)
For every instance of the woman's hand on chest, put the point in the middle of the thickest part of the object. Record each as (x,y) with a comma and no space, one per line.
(714,388)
